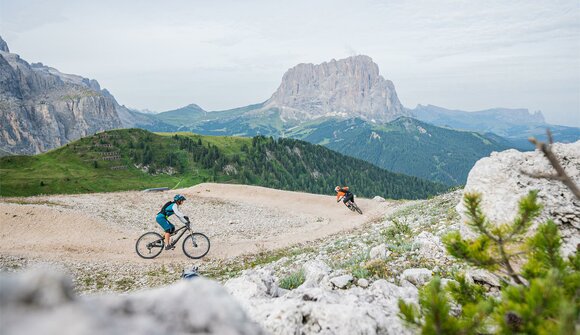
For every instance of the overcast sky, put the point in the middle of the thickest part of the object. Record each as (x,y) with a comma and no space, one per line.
(162,55)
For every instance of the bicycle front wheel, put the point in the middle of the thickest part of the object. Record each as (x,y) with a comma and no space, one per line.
(196,245)
(149,245)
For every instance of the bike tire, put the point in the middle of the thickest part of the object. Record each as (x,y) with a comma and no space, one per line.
(149,245)
(356,208)
(196,245)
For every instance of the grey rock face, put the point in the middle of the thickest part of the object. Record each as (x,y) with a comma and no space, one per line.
(42,108)
(350,87)
(41,302)
(3,45)
(502,184)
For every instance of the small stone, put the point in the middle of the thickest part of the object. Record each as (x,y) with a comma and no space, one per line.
(362,283)
(341,281)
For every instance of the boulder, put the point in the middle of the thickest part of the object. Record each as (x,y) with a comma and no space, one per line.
(361,282)
(253,284)
(502,183)
(41,302)
(314,272)
(353,311)
(482,276)
(341,281)
(417,277)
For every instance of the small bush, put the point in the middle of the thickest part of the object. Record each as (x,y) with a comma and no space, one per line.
(377,268)
(396,230)
(293,280)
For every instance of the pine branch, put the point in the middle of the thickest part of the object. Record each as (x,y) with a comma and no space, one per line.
(560,173)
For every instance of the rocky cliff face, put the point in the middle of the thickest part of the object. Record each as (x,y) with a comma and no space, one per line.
(42,108)
(3,45)
(500,180)
(350,87)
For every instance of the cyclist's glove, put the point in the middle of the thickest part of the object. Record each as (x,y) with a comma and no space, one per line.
(186,218)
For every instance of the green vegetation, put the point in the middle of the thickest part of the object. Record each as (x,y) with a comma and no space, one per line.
(540,297)
(293,280)
(132,159)
(405,145)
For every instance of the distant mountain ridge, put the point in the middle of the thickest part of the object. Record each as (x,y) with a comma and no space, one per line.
(516,125)
(42,108)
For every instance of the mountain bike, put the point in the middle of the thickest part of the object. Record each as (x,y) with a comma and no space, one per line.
(353,207)
(151,244)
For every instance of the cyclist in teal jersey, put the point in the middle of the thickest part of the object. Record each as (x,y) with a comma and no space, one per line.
(170,208)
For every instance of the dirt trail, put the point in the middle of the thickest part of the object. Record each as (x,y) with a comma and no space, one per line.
(238,219)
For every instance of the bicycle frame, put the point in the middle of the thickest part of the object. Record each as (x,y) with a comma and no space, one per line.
(183,229)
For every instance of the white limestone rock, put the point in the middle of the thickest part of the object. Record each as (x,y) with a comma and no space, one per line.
(379,252)
(428,245)
(417,277)
(482,276)
(341,281)
(348,88)
(253,284)
(500,180)
(379,199)
(362,282)
(40,302)
(314,272)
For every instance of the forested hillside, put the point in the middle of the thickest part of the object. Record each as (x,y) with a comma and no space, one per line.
(136,159)
(407,146)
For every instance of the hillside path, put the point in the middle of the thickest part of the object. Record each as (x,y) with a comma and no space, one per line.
(239,220)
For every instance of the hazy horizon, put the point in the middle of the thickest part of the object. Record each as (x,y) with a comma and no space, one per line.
(225,54)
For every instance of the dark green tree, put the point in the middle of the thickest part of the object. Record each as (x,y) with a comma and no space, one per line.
(541,298)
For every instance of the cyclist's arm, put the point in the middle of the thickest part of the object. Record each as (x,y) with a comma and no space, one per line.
(179,214)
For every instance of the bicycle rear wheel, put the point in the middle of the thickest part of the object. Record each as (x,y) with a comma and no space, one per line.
(196,245)
(149,245)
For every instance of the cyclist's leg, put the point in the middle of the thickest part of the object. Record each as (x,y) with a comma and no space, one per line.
(347,198)
(168,228)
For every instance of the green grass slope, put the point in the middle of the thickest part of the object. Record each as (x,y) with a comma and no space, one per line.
(135,159)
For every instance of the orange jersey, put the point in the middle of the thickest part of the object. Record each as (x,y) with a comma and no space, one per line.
(341,193)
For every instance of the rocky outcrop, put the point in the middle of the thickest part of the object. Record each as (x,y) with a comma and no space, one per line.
(42,108)
(325,304)
(41,301)
(500,180)
(3,45)
(348,88)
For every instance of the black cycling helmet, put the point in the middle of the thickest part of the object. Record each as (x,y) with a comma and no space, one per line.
(178,197)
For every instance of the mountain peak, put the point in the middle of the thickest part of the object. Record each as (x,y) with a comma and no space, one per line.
(350,87)
(3,45)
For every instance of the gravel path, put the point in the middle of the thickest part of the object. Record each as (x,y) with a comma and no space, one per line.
(239,219)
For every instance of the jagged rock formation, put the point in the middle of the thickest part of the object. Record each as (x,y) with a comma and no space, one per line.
(350,87)
(41,301)
(3,45)
(42,108)
(500,180)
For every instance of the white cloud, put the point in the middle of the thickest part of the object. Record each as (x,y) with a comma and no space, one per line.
(221,54)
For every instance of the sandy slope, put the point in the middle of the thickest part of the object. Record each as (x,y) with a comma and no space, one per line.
(238,219)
